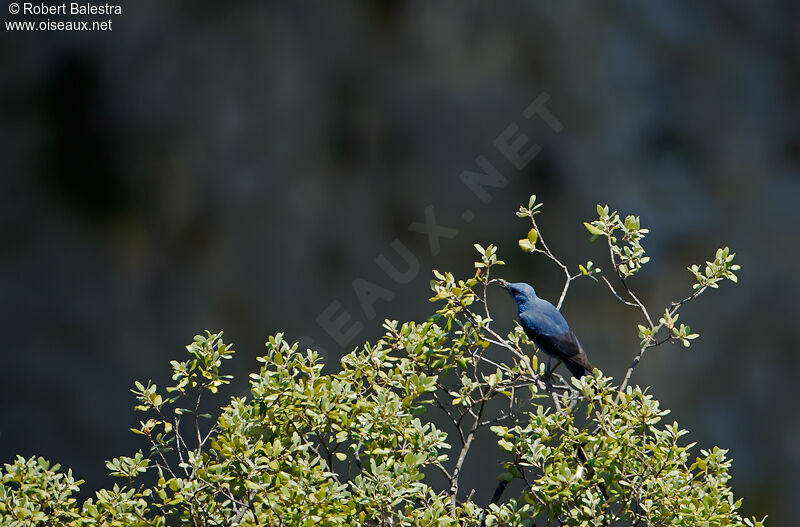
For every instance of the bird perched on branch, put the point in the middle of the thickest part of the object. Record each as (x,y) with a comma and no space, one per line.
(546,327)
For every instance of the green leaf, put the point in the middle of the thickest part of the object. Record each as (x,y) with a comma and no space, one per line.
(593,230)
(506,445)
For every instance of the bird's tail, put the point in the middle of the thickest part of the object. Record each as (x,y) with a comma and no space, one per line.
(579,366)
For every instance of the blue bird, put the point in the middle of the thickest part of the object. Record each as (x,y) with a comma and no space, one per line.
(546,327)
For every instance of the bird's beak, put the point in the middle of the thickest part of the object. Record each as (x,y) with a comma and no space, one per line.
(502,283)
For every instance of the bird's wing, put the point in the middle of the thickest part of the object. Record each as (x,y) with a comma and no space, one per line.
(551,316)
(544,319)
(545,325)
(561,345)
(565,347)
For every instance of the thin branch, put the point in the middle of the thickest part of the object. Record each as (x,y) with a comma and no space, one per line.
(601,486)
(444,471)
(498,419)
(616,295)
(638,358)
(244,508)
(449,415)
(675,306)
(625,283)
(673,309)
(546,251)
(161,451)
(498,493)
(357,455)
(180,441)
(500,341)
(556,401)
(463,455)
(196,415)
(485,300)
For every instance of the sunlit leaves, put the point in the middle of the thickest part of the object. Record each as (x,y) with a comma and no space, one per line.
(632,466)
(646,335)
(593,230)
(684,334)
(531,210)
(488,256)
(314,444)
(629,255)
(147,396)
(528,243)
(35,492)
(202,370)
(722,267)
(284,453)
(129,467)
(589,270)
(456,294)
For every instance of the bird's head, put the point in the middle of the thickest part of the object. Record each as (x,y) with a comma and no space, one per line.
(521,291)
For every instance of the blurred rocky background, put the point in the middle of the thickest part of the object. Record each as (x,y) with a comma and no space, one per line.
(237,166)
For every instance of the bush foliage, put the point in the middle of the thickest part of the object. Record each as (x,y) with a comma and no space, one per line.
(360,446)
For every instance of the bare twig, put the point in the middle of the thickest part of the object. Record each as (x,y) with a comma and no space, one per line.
(616,295)
(357,456)
(178,442)
(463,455)
(673,310)
(498,493)
(244,507)
(547,252)
(447,412)
(636,360)
(444,471)
(624,282)
(196,415)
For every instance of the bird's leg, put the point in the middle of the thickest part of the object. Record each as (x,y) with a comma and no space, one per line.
(548,373)
(548,380)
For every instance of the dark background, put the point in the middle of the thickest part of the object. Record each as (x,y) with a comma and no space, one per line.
(236,166)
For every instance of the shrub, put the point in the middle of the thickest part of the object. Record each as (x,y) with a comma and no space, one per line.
(359,446)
